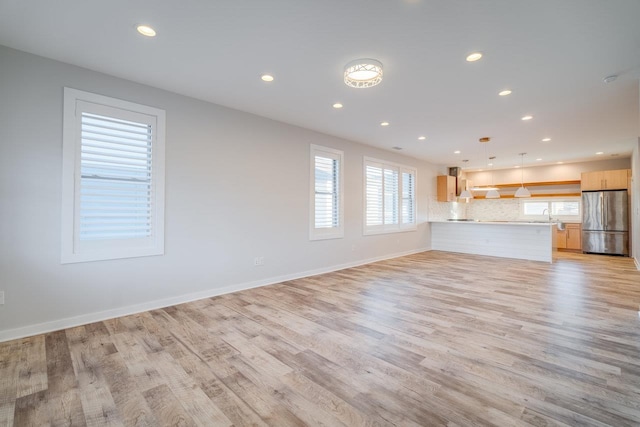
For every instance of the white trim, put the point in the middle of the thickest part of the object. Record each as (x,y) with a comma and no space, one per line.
(72,250)
(70,322)
(328,233)
(636,262)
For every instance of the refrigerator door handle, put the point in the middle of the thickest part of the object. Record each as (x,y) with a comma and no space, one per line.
(602,212)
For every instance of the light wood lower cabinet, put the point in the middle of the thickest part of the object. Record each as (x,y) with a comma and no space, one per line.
(570,238)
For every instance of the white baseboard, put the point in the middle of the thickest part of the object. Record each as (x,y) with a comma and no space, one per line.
(636,262)
(70,322)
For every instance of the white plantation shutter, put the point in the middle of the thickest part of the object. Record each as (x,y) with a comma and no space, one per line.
(389,197)
(326,193)
(113,178)
(374,195)
(116,192)
(408,197)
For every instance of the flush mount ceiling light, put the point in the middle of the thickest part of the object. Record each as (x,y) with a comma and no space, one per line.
(363,73)
(422,138)
(146,30)
(267,78)
(522,191)
(337,105)
(525,118)
(505,92)
(546,139)
(384,124)
(474,56)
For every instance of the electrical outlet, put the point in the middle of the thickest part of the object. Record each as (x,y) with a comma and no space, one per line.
(259,260)
(1,297)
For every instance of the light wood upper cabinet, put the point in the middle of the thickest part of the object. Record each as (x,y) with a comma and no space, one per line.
(605,180)
(446,188)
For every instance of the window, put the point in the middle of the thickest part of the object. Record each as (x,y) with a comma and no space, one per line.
(390,192)
(557,208)
(326,220)
(113,178)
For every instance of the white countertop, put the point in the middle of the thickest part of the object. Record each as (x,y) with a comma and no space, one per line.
(481,222)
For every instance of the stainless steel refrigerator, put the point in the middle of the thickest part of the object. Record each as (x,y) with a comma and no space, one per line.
(605,222)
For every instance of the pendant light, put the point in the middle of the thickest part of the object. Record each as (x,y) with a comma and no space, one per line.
(466,194)
(493,193)
(522,191)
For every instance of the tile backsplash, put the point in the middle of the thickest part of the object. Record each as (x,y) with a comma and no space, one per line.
(482,209)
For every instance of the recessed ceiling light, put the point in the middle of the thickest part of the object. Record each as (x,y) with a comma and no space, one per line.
(146,30)
(456,152)
(474,57)
(337,105)
(559,163)
(599,152)
(538,160)
(527,117)
(422,138)
(384,124)
(610,79)
(397,148)
(267,78)
(505,92)
(544,139)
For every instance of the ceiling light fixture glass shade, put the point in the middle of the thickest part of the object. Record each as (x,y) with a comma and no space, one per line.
(492,194)
(466,194)
(522,191)
(363,73)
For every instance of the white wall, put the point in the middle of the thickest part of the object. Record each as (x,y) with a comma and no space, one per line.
(635,204)
(237,187)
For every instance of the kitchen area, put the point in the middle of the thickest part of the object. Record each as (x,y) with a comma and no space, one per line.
(579,207)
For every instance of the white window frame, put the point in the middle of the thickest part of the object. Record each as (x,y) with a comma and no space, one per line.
(549,201)
(400,226)
(332,232)
(73,249)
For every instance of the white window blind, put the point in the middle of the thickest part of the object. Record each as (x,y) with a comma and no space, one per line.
(113,178)
(326,193)
(389,197)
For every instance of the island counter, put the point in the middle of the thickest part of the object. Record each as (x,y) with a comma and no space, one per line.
(522,240)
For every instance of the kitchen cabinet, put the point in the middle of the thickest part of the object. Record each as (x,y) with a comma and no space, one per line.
(605,180)
(446,188)
(570,238)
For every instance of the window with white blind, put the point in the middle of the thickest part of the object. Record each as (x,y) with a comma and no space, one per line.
(326,219)
(390,197)
(113,178)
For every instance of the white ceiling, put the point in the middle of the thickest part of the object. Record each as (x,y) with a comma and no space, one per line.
(553,54)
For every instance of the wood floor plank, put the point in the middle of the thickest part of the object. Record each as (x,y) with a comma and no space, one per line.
(420,340)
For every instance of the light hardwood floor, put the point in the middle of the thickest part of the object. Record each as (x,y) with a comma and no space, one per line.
(429,339)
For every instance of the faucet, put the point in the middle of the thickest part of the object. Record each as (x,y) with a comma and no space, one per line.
(548,214)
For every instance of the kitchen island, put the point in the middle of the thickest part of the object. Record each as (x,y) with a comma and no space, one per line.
(508,239)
